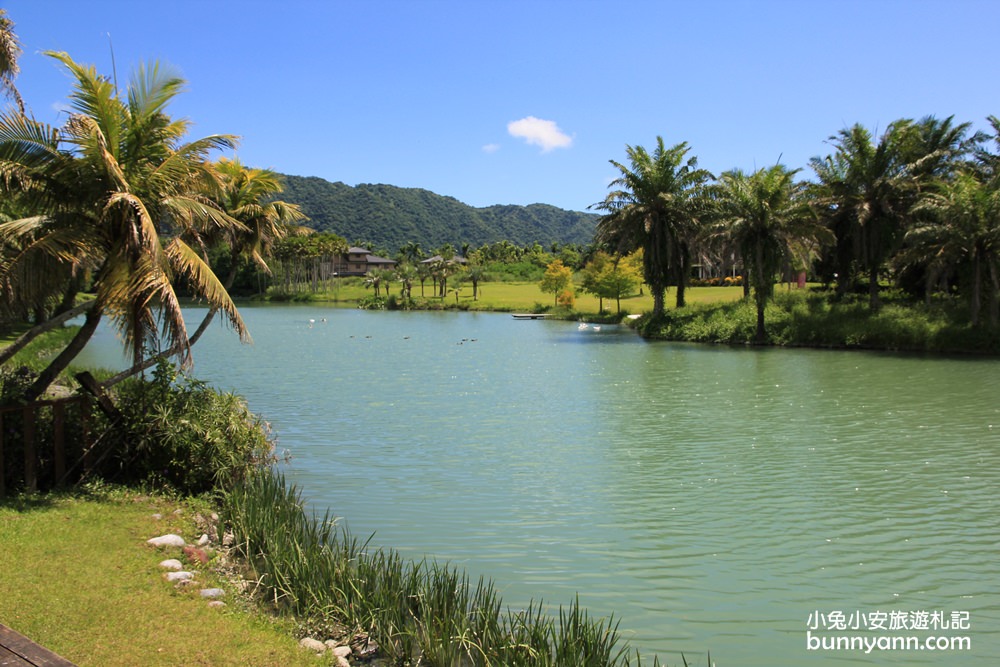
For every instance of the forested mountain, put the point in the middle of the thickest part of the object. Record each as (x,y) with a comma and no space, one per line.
(390,217)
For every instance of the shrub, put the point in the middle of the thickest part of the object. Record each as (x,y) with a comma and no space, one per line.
(178,432)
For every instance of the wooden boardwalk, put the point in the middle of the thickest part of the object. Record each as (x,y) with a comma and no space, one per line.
(16,650)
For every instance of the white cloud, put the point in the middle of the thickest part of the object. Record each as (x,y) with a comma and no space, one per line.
(491,148)
(538,132)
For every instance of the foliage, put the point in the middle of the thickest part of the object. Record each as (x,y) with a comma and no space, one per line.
(813,319)
(415,613)
(765,217)
(180,433)
(115,190)
(10,50)
(558,279)
(607,278)
(395,217)
(657,206)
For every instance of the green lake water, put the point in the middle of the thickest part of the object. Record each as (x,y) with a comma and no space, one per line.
(712,498)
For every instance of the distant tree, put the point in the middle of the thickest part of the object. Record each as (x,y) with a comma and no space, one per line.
(558,278)
(406,273)
(658,206)
(964,230)
(476,273)
(617,280)
(590,276)
(764,215)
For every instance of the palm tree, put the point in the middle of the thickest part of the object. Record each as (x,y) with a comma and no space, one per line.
(965,229)
(763,215)
(118,189)
(10,50)
(865,192)
(246,195)
(476,274)
(406,273)
(657,207)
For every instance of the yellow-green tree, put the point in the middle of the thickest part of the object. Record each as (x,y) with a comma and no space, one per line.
(558,278)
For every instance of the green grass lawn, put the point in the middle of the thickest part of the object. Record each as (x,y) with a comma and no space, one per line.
(526,296)
(77,577)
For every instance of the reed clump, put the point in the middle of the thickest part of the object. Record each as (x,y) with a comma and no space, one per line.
(404,612)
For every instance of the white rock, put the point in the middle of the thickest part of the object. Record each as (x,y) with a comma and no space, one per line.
(342,661)
(203,540)
(312,644)
(342,651)
(179,576)
(171,564)
(212,592)
(169,540)
(157,516)
(216,603)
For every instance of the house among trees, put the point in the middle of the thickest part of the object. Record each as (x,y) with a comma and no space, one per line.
(457,259)
(359,261)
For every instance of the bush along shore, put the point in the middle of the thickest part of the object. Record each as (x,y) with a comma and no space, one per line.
(801,318)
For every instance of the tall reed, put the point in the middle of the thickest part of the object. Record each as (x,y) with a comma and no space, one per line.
(416,613)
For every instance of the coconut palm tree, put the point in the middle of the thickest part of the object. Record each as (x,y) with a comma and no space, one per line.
(246,195)
(657,206)
(117,188)
(10,50)
(764,216)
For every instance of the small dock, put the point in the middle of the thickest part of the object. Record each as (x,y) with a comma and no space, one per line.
(529,316)
(16,650)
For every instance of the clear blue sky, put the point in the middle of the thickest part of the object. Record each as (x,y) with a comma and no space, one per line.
(525,101)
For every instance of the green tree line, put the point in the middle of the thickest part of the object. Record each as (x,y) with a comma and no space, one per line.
(916,208)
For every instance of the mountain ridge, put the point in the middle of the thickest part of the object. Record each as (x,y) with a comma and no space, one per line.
(390,216)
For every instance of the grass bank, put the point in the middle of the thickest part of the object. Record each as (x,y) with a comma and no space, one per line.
(77,577)
(505,296)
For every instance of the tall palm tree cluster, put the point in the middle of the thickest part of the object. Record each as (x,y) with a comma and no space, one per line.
(917,206)
(118,201)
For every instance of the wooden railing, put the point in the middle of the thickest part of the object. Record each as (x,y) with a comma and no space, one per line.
(44,453)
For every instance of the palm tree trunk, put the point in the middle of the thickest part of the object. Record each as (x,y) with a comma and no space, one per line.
(975,298)
(873,299)
(657,299)
(994,294)
(29,335)
(69,353)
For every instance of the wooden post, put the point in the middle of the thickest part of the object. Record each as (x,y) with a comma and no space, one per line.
(88,382)
(88,457)
(30,462)
(59,440)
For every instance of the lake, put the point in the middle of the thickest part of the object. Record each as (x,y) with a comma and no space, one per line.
(713,498)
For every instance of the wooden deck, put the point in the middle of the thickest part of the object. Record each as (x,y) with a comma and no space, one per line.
(16,650)
(529,316)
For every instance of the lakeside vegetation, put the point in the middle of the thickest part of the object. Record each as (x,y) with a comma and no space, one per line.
(119,205)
